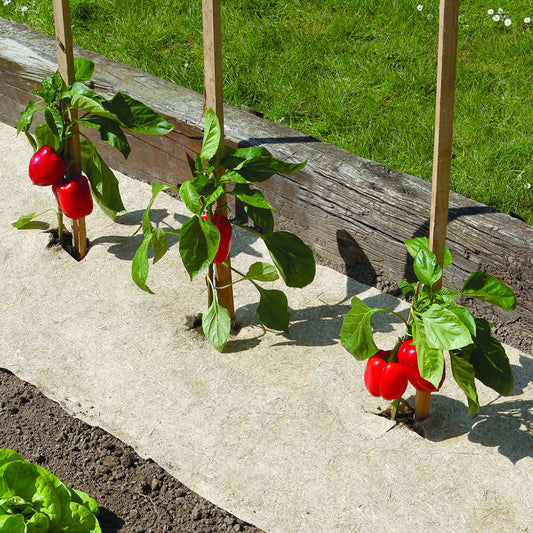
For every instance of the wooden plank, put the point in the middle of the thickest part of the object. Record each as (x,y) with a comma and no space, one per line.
(212,41)
(442,151)
(353,212)
(65,59)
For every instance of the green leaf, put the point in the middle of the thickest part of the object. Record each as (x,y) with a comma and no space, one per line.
(45,137)
(250,196)
(464,315)
(104,183)
(140,265)
(488,357)
(426,268)
(38,523)
(356,330)
(136,116)
(257,164)
(7,456)
(159,243)
(89,102)
(24,479)
(190,197)
(292,257)
(407,287)
(77,518)
(26,117)
(83,69)
(230,176)
(463,373)
(198,244)
(444,329)
(216,324)
(109,131)
(262,272)
(212,135)
(51,88)
(214,195)
(53,119)
(272,309)
(12,524)
(24,220)
(84,499)
(418,243)
(430,359)
(262,218)
(485,287)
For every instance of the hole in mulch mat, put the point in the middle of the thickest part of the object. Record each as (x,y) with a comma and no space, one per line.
(195,321)
(405,416)
(66,243)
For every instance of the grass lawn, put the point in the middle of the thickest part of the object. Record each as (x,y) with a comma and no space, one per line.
(360,74)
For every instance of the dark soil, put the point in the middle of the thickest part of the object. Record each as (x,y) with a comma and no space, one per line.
(134,495)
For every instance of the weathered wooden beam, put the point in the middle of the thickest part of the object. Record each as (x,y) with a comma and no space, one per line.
(353,212)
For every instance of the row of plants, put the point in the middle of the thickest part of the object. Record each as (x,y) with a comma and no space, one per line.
(206,237)
(32,499)
(437,323)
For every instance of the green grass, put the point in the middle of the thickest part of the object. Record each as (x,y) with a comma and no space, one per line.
(360,74)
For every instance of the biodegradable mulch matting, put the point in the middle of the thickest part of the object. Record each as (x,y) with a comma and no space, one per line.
(279,429)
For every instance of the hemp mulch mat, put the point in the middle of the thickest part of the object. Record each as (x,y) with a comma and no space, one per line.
(279,429)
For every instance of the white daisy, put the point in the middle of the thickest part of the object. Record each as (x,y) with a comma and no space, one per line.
(6,2)
(420,7)
(490,12)
(500,10)
(527,20)
(507,22)
(496,18)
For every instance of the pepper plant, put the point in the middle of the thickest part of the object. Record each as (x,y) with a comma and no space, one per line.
(204,238)
(50,164)
(437,323)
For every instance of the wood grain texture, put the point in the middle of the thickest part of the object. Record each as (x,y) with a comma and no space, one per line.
(353,212)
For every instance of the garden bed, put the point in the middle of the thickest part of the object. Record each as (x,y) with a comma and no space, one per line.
(134,494)
(279,429)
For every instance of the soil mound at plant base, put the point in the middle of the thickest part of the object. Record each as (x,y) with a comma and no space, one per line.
(134,494)
(278,429)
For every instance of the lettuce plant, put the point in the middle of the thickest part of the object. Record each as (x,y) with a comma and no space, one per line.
(32,500)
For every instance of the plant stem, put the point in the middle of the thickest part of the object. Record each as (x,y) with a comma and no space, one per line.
(210,286)
(59,225)
(393,313)
(394,408)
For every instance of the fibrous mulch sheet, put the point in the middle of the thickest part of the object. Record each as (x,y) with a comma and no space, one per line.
(279,429)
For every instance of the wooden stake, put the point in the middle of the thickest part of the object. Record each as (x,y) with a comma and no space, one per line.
(212,34)
(442,151)
(65,60)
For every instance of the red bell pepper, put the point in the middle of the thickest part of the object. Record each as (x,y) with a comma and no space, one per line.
(383,377)
(46,166)
(224,227)
(74,196)
(408,360)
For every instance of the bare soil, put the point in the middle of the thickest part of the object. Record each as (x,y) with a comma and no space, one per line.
(134,495)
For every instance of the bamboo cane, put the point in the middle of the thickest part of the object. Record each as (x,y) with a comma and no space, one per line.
(212,35)
(65,59)
(442,151)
